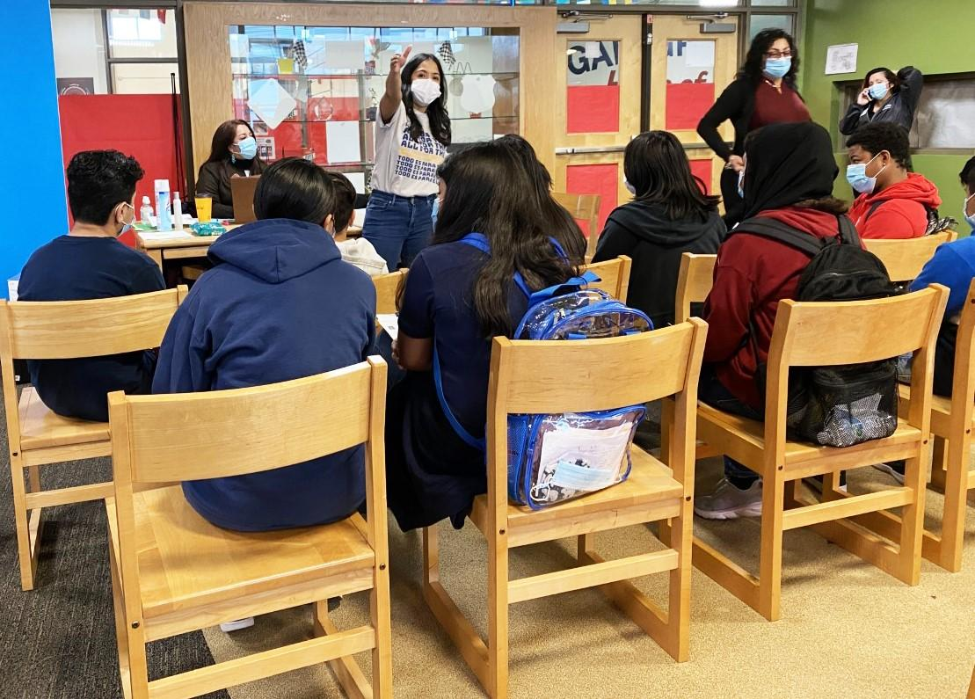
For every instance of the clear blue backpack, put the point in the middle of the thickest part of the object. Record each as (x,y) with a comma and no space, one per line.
(556,457)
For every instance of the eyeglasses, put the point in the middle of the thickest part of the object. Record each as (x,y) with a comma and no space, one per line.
(779,54)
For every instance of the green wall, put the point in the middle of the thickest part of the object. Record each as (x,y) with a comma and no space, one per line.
(936,37)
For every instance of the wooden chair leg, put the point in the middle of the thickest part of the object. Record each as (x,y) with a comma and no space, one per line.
(912,523)
(770,562)
(135,642)
(28,527)
(681,539)
(347,671)
(939,463)
(382,654)
(956,492)
(121,628)
(498,616)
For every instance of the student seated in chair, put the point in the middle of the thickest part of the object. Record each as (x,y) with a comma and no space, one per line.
(90,263)
(669,215)
(893,202)
(460,293)
(788,177)
(355,251)
(279,304)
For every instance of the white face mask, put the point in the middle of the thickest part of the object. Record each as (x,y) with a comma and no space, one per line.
(630,188)
(425,91)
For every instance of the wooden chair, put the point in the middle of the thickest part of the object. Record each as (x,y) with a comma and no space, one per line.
(694,281)
(583,207)
(828,334)
(386,287)
(173,572)
(952,420)
(904,258)
(529,377)
(614,276)
(65,330)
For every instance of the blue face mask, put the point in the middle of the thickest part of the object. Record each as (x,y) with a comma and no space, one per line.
(778,67)
(878,91)
(247,147)
(436,210)
(856,175)
(741,181)
(964,212)
(126,227)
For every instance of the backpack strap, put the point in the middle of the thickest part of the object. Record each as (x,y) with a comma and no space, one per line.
(873,207)
(783,233)
(848,231)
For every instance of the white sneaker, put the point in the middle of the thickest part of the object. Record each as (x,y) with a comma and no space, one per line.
(891,471)
(729,502)
(229,626)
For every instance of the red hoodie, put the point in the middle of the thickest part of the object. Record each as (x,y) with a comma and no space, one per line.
(902,215)
(751,275)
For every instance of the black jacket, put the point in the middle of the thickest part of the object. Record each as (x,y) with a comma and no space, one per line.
(655,242)
(214,180)
(899,109)
(736,103)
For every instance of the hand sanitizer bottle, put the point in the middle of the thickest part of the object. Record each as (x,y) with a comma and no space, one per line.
(177,211)
(145,213)
(163,212)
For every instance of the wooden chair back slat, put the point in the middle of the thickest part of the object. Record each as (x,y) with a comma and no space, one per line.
(387,286)
(694,281)
(853,332)
(904,259)
(227,433)
(614,276)
(71,329)
(606,374)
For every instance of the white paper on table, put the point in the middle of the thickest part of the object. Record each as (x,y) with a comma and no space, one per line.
(841,58)
(358,217)
(602,450)
(358,180)
(342,141)
(345,55)
(165,235)
(271,102)
(389,323)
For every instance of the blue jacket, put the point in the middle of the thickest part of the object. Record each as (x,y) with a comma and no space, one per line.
(953,265)
(279,304)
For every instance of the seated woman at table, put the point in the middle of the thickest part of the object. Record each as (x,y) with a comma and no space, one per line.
(233,153)
(279,304)
(90,263)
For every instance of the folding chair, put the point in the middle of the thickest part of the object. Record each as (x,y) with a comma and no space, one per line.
(387,285)
(614,276)
(830,334)
(952,420)
(530,377)
(904,258)
(583,207)
(173,572)
(37,436)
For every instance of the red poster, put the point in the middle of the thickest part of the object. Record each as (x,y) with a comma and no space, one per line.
(687,103)
(702,169)
(593,109)
(595,179)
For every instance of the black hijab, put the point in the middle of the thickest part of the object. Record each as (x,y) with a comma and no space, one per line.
(786,164)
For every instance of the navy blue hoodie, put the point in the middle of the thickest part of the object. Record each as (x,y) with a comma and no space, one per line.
(279,304)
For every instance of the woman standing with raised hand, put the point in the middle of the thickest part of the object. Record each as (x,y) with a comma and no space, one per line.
(764,92)
(412,135)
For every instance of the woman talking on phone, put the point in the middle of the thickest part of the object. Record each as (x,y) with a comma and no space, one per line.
(885,96)
(412,135)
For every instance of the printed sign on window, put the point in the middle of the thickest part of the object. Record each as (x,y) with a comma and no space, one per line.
(690,82)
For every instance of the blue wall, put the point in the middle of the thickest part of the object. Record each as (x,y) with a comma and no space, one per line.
(33,207)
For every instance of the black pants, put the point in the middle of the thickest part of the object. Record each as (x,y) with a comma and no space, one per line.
(713,392)
(734,205)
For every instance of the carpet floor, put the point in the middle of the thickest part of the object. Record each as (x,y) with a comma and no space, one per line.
(847,629)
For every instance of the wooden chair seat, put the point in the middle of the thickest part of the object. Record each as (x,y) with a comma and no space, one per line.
(744,440)
(174,540)
(650,486)
(41,428)
(940,410)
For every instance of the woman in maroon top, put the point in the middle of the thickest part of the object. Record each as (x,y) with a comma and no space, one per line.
(763,93)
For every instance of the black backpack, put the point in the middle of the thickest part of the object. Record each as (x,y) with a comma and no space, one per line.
(839,405)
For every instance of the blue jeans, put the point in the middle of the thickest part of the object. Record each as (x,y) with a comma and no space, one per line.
(713,392)
(398,227)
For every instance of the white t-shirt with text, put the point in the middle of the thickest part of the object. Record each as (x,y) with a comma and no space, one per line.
(405,167)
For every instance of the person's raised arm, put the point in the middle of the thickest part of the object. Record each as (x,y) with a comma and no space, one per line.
(394,87)
(912,83)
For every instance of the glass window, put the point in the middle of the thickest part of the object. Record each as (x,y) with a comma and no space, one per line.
(773,3)
(315,91)
(661,3)
(593,90)
(79,51)
(141,33)
(144,78)
(760,22)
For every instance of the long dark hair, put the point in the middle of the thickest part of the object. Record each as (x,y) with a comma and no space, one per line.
(895,82)
(489,192)
(224,137)
(755,59)
(656,165)
(437,111)
(561,225)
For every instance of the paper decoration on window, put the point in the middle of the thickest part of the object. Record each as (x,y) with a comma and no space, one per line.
(343,142)
(595,179)
(477,96)
(593,92)
(240,46)
(333,99)
(841,58)
(345,55)
(690,83)
(265,147)
(270,102)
